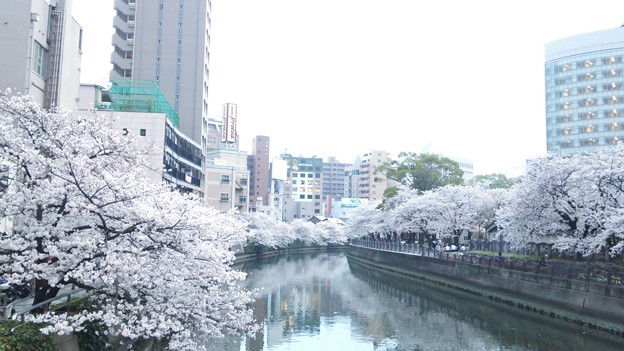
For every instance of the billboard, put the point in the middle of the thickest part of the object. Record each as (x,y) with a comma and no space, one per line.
(228,123)
(352,202)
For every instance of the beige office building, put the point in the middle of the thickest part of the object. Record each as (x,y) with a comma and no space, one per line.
(226,180)
(360,178)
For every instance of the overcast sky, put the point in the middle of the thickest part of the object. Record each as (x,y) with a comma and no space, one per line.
(341,77)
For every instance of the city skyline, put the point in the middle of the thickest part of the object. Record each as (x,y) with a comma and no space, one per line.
(341,78)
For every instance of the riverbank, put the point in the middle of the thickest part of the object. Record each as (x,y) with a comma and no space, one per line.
(581,303)
(242,257)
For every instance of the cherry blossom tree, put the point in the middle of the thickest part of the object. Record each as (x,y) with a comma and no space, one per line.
(155,261)
(574,201)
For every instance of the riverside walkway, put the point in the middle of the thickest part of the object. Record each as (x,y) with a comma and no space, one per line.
(492,265)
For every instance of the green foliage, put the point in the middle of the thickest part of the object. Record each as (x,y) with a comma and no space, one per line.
(93,338)
(24,338)
(421,172)
(491,181)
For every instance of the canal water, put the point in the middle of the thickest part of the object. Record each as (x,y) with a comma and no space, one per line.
(323,302)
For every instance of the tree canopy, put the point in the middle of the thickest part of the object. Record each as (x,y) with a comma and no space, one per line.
(79,211)
(422,172)
(491,181)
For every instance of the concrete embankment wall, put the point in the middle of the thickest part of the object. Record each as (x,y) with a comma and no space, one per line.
(595,306)
(247,257)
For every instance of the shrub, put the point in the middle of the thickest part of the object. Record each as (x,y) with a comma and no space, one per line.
(25,337)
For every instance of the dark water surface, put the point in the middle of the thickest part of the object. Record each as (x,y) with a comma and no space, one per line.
(319,302)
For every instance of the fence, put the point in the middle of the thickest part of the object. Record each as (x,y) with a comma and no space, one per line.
(586,273)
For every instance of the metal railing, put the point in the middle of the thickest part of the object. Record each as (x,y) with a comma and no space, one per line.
(587,273)
(10,312)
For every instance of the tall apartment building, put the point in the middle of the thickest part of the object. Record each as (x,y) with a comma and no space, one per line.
(333,182)
(43,50)
(584,77)
(360,177)
(259,174)
(167,42)
(302,188)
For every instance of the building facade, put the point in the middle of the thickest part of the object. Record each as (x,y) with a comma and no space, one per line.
(584,78)
(226,180)
(302,188)
(174,157)
(167,42)
(44,44)
(333,182)
(360,177)
(259,173)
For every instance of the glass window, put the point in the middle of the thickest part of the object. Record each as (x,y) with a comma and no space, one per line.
(225,197)
(40,56)
(225,178)
(143,132)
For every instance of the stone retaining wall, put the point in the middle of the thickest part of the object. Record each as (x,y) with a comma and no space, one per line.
(593,305)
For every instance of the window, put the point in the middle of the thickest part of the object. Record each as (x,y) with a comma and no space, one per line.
(143,132)
(225,179)
(243,181)
(242,199)
(225,197)
(40,55)
(129,36)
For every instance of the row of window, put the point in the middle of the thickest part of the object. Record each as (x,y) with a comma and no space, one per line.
(225,179)
(589,76)
(588,89)
(225,197)
(590,102)
(587,142)
(589,129)
(588,115)
(610,60)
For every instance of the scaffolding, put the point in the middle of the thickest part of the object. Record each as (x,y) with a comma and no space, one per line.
(127,94)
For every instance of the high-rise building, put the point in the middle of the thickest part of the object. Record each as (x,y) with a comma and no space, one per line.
(167,42)
(43,46)
(259,174)
(333,182)
(584,77)
(360,177)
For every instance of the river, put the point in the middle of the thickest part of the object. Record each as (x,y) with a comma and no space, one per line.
(323,302)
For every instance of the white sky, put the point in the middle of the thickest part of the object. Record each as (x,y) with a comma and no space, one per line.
(341,77)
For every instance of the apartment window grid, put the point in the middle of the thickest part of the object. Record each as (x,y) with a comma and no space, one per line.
(585,101)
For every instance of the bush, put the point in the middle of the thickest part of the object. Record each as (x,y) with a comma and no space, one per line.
(24,338)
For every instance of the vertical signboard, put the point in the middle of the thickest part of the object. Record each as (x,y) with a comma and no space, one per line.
(228,123)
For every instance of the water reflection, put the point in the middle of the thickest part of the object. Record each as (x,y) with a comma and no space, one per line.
(320,302)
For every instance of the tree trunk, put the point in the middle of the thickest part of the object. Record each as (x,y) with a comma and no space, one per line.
(43,292)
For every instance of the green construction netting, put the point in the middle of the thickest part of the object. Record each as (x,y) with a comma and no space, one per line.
(140,96)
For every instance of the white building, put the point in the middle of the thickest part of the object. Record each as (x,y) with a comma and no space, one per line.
(42,54)
(174,157)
